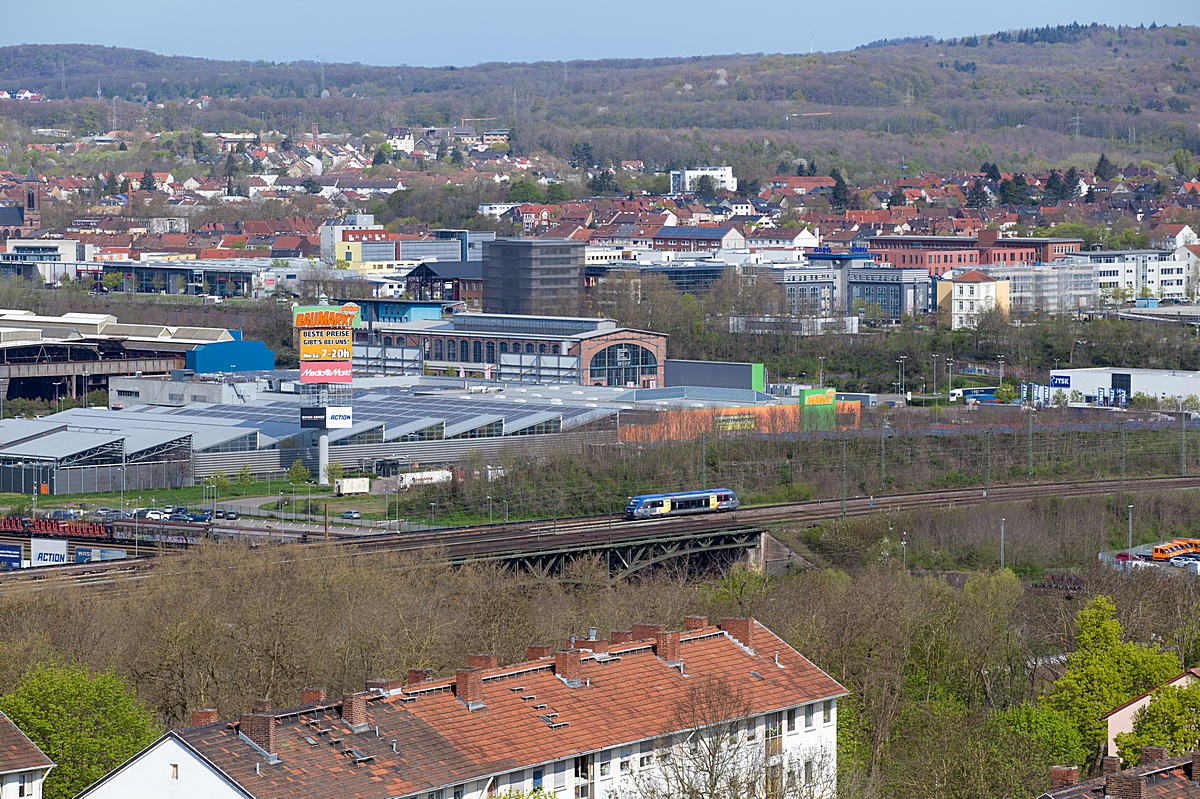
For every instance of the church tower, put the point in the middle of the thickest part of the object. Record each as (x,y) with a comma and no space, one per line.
(33,203)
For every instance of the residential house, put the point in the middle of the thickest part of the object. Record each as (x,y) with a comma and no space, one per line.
(1172,237)
(597,718)
(1120,719)
(23,766)
(965,298)
(1157,776)
(698,239)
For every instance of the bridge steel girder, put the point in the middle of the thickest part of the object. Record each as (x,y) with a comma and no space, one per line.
(622,558)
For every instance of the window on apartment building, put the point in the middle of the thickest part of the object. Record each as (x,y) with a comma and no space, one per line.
(810,771)
(538,776)
(605,768)
(25,785)
(827,711)
(503,347)
(961,291)
(808,716)
(458,792)
(751,729)
(437,350)
(529,349)
(625,765)
(645,761)
(791,719)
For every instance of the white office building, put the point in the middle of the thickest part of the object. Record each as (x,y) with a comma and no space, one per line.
(683,180)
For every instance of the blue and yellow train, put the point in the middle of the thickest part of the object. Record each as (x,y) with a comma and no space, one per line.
(680,503)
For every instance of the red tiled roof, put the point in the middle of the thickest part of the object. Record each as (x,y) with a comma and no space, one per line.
(628,694)
(974,276)
(17,752)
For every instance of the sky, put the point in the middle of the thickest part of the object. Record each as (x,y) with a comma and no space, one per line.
(465,32)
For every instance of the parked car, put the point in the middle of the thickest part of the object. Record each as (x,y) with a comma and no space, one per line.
(219,514)
(199,517)
(102,512)
(1123,556)
(231,516)
(1181,560)
(179,517)
(351,514)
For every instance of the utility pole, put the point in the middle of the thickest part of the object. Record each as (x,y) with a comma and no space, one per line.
(1076,122)
(1001,544)
(843,478)
(935,376)
(703,464)
(1029,468)
(882,459)
(1130,548)
(1122,459)
(987,463)
(1182,440)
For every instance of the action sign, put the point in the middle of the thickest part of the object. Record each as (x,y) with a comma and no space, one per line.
(339,417)
(45,552)
(327,372)
(324,344)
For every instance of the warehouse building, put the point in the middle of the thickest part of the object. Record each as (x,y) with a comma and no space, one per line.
(1166,385)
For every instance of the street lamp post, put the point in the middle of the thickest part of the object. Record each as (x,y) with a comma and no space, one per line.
(903,358)
(489,510)
(935,375)
(505,511)
(432,505)
(821,374)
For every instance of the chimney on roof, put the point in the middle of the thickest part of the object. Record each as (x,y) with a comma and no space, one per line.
(354,711)
(695,623)
(740,630)
(645,632)
(537,652)
(315,132)
(666,645)
(482,661)
(259,729)
(1125,786)
(1195,766)
(620,637)
(1110,765)
(204,716)
(468,687)
(566,667)
(1062,776)
(1152,754)
(311,696)
(591,633)
(263,706)
(385,684)
(419,675)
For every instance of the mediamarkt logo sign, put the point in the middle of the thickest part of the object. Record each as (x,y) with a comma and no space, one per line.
(326,372)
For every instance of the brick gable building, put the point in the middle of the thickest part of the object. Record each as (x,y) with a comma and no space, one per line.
(590,720)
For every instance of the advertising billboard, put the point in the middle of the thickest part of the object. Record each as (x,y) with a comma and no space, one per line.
(339,417)
(10,556)
(93,554)
(1060,381)
(324,344)
(45,552)
(347,316)
(326,372)
(312,417)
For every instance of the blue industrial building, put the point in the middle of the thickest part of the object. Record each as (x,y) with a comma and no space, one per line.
(231,356)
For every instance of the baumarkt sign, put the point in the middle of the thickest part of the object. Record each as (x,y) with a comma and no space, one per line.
(326,316)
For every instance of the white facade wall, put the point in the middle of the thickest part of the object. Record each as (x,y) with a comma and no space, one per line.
(682,179)
(331,235)
(969,301)
(1155,273)
(31,781)
(166,770)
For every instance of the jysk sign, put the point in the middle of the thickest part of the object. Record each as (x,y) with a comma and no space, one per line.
(1060,381)
(44,552)
(10,556)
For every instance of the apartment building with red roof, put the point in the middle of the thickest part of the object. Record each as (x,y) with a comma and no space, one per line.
(594,719)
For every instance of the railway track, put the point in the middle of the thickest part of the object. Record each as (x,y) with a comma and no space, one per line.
(466,543)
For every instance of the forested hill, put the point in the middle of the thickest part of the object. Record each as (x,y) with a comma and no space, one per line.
(1120,81)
